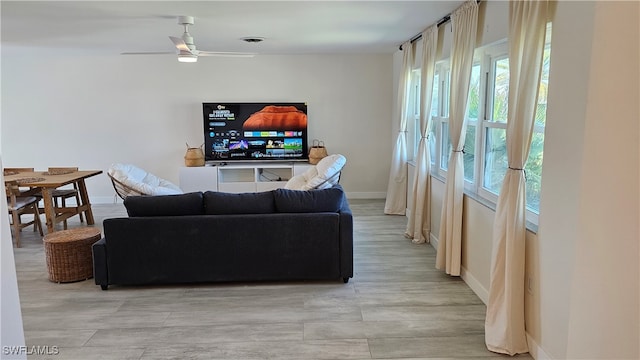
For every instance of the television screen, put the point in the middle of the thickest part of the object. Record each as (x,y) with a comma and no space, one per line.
(255,131)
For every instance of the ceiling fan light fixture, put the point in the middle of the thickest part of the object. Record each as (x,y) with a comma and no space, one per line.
(187,58)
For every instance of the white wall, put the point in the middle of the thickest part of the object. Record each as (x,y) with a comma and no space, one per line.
(604,309)
(92,111)
(564,153)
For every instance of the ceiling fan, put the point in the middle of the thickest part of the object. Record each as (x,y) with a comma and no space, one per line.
(186,49)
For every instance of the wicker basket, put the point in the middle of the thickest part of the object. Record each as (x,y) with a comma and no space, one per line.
(69,256)
(194,156)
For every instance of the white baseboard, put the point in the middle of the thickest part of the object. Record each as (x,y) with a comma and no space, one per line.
(94,200)
(535,350)
(366,195)
(475,285)
(468,278)
(433,240)
(105,199)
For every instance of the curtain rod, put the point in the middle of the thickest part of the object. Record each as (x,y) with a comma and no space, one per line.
(445,19)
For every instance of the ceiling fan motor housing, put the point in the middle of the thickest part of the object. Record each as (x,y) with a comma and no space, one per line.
(186,37)
(185,20)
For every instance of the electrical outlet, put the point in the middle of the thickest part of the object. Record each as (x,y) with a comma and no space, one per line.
(530,284)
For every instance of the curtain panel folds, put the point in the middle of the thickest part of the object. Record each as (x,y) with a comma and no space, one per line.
(396,202)
(464,21)
(504,323)
(419,224)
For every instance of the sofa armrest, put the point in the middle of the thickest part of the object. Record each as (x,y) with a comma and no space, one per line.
(346,240)
(100,272)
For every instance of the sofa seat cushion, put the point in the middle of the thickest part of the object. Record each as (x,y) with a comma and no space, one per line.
(165,205)
(220,203)
(307,201)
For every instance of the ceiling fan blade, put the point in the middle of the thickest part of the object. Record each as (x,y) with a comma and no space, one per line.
(227,54)
(180,44)
(149,53)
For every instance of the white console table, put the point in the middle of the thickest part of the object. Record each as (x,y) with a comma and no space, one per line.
(239,178)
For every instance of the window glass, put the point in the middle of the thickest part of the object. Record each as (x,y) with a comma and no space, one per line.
(500,90)
(473,108)
(435,96)
(541,109)
(533,171)
(533,167)
(445,94)
(495,159)
(470,153)
(446,147)
(415,85)
(474,93)
(432,141)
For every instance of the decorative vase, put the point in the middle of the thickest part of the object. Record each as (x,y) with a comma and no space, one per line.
(194,156)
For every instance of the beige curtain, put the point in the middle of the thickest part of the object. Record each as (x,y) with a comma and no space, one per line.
(464,21)
(396,202)
(504,324)
(419,224)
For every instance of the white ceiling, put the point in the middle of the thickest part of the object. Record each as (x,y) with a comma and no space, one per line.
(290,27)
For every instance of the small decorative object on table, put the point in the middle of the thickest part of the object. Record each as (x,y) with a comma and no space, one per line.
(317,151)
(194,156)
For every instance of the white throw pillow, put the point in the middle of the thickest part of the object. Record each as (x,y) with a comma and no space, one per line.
(327,169)
(330,165)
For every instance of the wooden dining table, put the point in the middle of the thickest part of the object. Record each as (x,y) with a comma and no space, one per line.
(47,182)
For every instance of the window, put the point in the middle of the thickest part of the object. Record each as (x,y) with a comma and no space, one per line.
(494,130)
(494,124)
(440,145)
(485,151)
(435,112)
(473,109)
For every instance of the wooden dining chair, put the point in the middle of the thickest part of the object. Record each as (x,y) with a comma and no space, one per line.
(12,171)
(64,194)
(19,205)
(23,191)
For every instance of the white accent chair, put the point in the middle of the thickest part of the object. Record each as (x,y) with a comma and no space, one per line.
(322,176)
(130,180)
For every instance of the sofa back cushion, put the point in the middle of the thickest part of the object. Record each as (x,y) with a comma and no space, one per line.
(306,201)
(165,205)
(220,203)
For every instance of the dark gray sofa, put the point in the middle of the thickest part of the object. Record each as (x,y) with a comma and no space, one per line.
(220,237)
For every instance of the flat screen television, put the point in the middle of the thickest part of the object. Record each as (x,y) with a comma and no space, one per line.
(238,131)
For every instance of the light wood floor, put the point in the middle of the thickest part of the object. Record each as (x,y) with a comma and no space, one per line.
(397,306)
